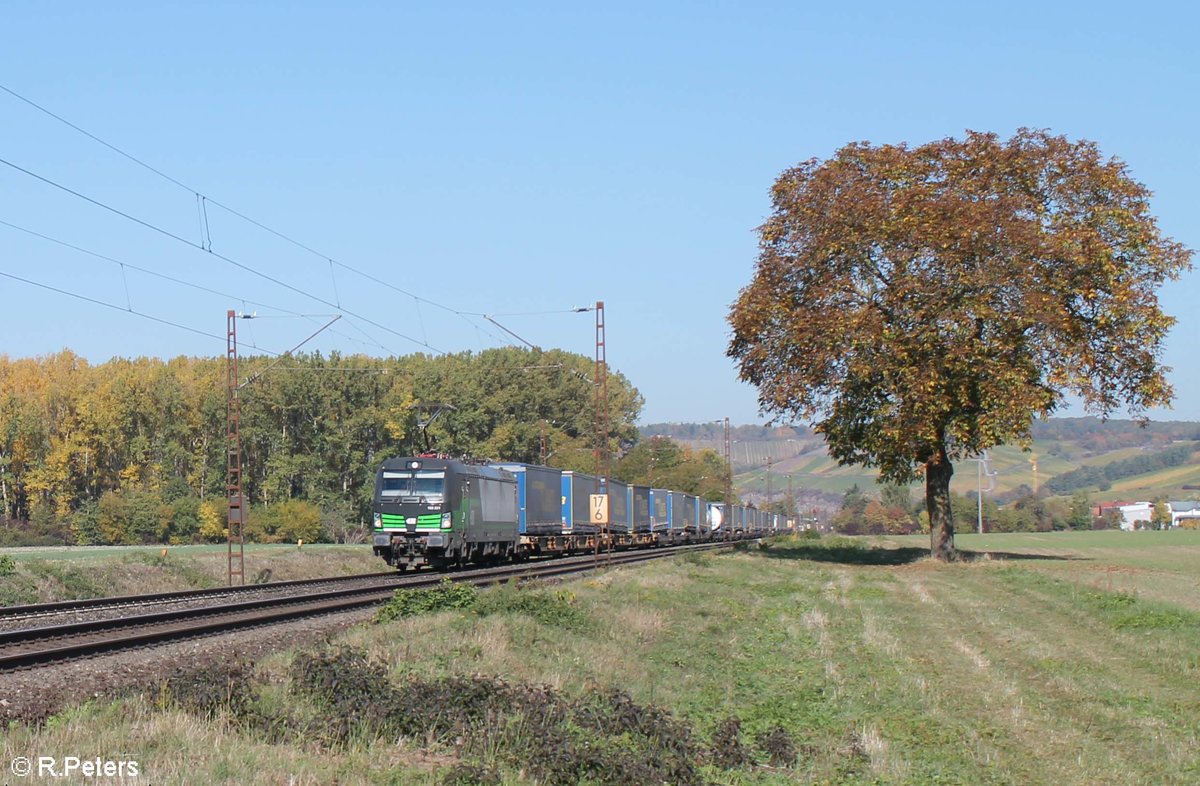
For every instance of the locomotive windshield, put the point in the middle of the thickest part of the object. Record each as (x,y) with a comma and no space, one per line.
(429,485)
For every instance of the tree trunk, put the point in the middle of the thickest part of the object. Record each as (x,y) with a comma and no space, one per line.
(938,472)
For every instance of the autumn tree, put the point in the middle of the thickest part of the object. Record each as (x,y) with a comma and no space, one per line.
(920,305)
(1160,517)
(662,462)
(849,517)
(1079,511)
(134,450)
(506,400)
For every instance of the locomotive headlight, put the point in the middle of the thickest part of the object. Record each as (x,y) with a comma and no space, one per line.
(378,521)
(447,520)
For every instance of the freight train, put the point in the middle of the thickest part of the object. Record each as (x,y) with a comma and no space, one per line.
(440,512)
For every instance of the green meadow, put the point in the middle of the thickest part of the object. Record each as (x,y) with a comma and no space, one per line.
(1058,658)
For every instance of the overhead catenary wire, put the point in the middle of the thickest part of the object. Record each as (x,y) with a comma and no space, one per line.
(369,338)
(284,312)
(125,281)
(277,355)
(206,245)
(189,329)
(534,347)
(206,241)
(277,360)
(575,310)
(147,271)
(223,257)
(95,138)
(420,319)
(333,279)
(337,369)
(465,315)
(116,307)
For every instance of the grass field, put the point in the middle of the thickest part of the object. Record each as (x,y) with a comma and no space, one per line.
(1064,658)
(1155,565)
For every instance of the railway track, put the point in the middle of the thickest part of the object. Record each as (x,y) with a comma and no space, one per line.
(36,646)
(13,617)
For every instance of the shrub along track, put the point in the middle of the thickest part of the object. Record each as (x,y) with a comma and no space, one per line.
(37,646)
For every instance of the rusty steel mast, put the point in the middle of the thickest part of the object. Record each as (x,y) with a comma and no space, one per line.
(235,494)
(600,382)
(233,451)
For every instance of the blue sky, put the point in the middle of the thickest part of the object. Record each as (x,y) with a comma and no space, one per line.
(508,160)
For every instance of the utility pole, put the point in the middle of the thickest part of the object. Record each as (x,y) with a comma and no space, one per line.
(233,450)
(981,470)
(234,493)
(601,385)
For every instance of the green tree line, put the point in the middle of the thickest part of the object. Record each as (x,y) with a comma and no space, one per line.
(134,450)
(1097,436)
(892,511)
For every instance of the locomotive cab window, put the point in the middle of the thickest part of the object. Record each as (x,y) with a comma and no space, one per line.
(430,485)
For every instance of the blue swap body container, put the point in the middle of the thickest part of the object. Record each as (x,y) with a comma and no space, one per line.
(639,508)
(577,489)
(684,509)
(660,510)
(539,497)
(619,518)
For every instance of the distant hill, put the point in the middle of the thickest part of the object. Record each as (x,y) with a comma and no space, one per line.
(1060,446)
(751,445)
(1093,435)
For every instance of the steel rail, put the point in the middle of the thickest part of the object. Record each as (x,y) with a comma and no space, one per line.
(103,636)
(62,606)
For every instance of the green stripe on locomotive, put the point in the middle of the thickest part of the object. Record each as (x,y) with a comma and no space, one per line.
(424,521)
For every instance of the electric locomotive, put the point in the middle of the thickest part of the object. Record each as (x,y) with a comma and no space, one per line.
(439,512)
